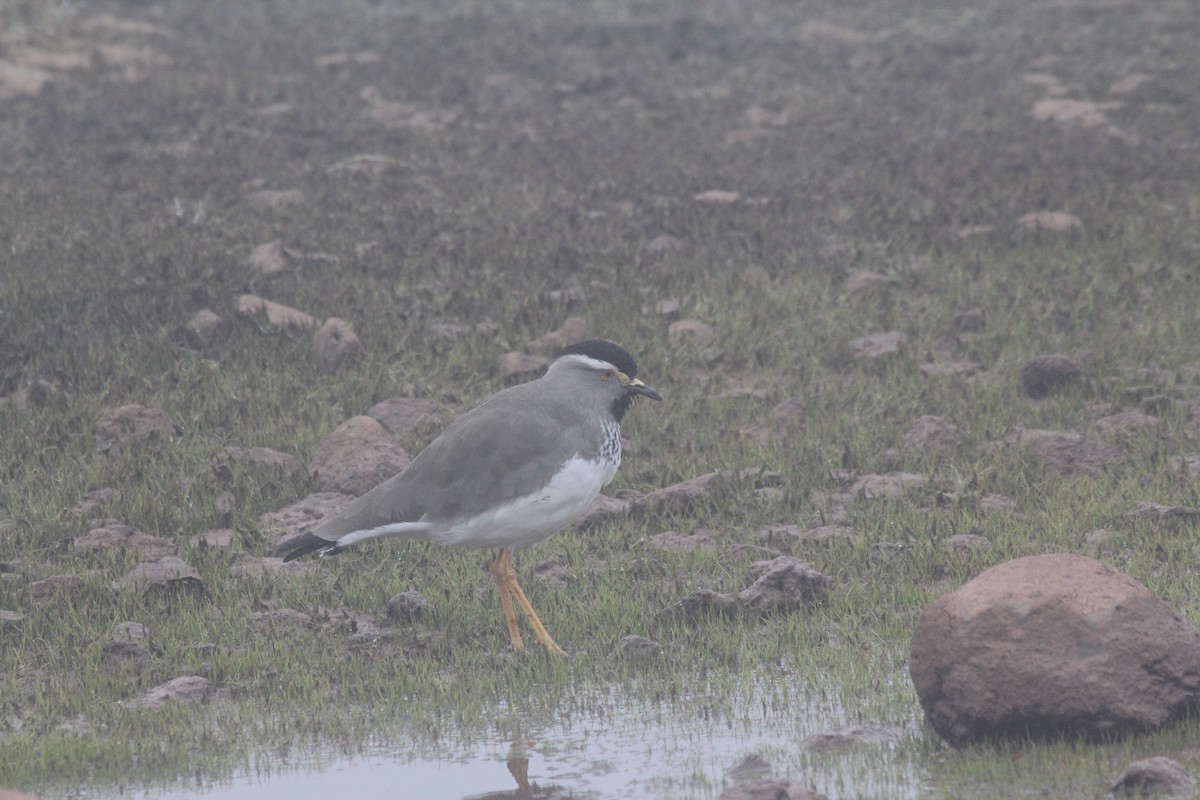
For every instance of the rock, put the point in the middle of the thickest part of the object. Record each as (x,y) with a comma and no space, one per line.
(116,535)
(1188,466)
(129,632)
(1126,422)
(515,363)
(1052,645)
(408,606)
(573,329)
(55,589)
(1152,775)
(303,515)
(355,457)
(841,738)
(184,689)
(268,258)
(669,307)
(994,501)
(888,485)
(784,584)
(168,574)
(704,602)
(1044,375)
(790,411)
(264,463)
(1052,221)
(219,539)
(878,345)
(950,367)
(118,654)
(752,767)
(633,646)
(1068,453)
(770,790)
(336,343)
(92,502)
(201,329)
(277,314)
(404,416)
(9,620)
(689,329)
(28,398)
(554,570)
(128,425)
(603,509)
(933,437)
(679,497)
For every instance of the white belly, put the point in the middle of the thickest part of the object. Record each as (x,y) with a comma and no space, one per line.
(526,520)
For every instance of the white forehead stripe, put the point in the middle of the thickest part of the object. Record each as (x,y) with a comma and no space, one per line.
(588,361)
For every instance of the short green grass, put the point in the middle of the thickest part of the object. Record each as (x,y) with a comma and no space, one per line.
(566,157)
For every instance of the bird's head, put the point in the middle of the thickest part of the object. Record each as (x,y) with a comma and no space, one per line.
(605,371)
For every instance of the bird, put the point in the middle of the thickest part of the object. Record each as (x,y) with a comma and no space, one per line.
(514,470)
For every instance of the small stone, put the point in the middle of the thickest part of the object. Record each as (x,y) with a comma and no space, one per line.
(770,790)
(633,646)
(689,328)
(841,738)
(1068,453)
(1147,510)
(276,198)
(673,540)
(554,570)
(9,620)
(94,500)
(336,343)
(517,363)
(933,437)
(1151,776)
(408,606)
(404,416)
(218,539)
(122,653)
(668,308)
(1052,221)
(878,345)
(116,535)
(784,584)
(1044,375)
(303,515)
(202,328)
(268,258)
(129,632)
(168,574)
(680,497)
(185,689)
(1126,422)
(994,501)
(277,314)
(131,424)
(572,330)
(664,243)
(55,589)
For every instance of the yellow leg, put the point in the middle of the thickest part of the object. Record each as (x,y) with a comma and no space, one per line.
(506,581)
(500,577)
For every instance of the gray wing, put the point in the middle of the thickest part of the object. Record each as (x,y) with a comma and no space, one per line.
(503,448)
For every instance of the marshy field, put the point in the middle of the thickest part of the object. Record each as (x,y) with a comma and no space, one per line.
(831,234)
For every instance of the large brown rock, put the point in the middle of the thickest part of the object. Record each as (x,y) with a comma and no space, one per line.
(355,457)
(1052,645)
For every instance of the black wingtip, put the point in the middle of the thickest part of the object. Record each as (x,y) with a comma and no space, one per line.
(304,544)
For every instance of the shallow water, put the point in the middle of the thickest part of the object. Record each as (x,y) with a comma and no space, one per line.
(635,751)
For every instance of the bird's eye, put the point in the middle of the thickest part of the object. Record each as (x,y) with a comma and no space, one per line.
(608,374)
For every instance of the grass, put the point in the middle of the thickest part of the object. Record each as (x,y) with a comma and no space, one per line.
(580,135)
